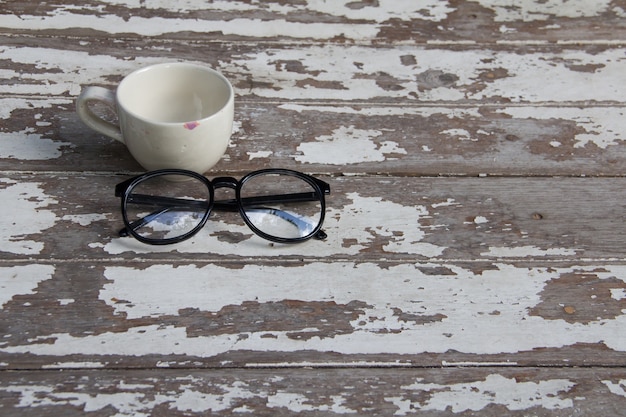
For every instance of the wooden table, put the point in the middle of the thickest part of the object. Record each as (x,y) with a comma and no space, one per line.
(476,254)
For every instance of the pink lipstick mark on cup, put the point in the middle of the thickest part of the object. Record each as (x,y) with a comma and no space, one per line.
(191,125)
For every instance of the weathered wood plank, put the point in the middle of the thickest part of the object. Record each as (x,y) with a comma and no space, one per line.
(328,392)
(45,134)
(322,21)
(63,216)
(178,314)
(402,74)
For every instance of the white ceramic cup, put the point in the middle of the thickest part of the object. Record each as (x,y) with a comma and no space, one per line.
(176,115)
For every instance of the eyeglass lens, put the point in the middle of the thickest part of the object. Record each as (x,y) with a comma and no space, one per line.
(162,208)
(290,208)
(174,206)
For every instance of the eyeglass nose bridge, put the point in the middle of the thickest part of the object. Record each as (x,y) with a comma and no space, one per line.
(225,182)
(228,204)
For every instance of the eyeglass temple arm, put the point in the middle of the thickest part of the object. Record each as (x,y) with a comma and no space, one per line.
(224,205)
(142,221)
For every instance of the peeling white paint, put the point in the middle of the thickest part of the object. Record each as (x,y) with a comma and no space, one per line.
(477,395)
(459,134)
(195,401)
(384,10)
(92,18)
(616,388)
(526,251)
(460,302)
(374,110)
(74,365)
(431,10)
(202,396)
(330,73)
(476,364)
(334,364)
(29,146)
(28,216)
(123,401)
(126,403)
(9,104)
(259,154)
(296,402)
(71,70)
(347,145)
(602,126)
(449,202)
(22,279)
(158,26)
(85,219)
(618,293)
(334,64)
(529,10)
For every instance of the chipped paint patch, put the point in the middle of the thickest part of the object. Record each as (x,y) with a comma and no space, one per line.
(459,134)
(84,219)
(347,145)
(28,216)
(259,154)
(480,220)
(616,388)
(30,146)
(124,402)
(201,402)
(618,293)
(22,279)
(477,395)
(10,104)
(295,402)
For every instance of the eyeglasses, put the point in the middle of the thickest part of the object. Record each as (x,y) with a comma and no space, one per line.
(171,205)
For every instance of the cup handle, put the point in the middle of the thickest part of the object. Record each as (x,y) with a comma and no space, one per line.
(98,94)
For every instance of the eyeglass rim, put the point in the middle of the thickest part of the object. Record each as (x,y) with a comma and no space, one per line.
(125,188)
(320,187)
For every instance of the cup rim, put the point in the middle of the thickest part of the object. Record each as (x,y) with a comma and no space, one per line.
(127,78)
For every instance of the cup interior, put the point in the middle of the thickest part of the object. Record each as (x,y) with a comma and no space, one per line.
(174,93)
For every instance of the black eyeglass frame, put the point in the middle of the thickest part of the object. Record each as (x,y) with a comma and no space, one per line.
(320,189)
